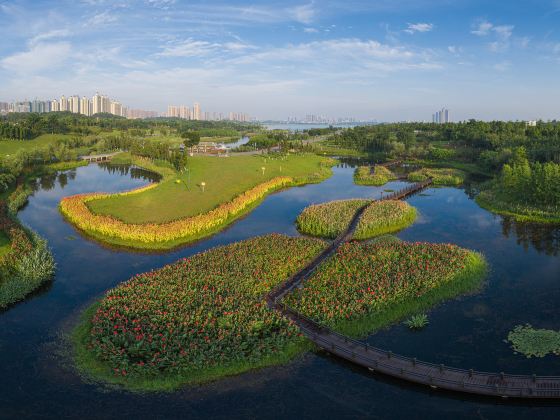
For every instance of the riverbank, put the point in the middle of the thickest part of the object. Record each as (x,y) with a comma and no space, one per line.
(491,200)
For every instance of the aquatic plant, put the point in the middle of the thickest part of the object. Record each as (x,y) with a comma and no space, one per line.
(328,220)
(363,175)
(417,322)
(367,285)
(533,342)
(26,265)
(199,318)
(440,176)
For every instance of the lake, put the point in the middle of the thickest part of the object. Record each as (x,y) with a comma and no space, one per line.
(38,378)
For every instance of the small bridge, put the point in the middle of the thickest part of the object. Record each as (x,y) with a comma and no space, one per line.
(104,157)
(405,368)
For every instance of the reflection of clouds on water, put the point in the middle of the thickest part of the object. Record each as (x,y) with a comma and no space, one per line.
(482,220)
(422,219)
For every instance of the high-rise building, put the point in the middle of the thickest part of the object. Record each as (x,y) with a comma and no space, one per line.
(74,104)
(196,111)
(105,104)
(63,104)
(96,104)
(85,107)
(55,105)
(184,112)
(173,111)
(116,108)
(441,117)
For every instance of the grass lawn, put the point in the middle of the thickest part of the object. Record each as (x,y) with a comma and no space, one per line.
(225,179)
(4,244)
(8,147)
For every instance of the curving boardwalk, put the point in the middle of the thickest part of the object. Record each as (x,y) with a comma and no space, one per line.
(409,369)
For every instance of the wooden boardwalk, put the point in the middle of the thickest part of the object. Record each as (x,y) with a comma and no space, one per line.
(405,368)
(104,157)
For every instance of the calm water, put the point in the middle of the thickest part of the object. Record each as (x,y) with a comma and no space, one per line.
(37,378)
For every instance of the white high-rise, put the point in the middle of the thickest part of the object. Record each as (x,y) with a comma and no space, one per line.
(74,104)
(196,111)
(63,105)
(116,108)
(96,104)
(85,106)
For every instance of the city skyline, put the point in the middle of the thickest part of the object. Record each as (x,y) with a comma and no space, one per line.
(101,103)
(390,61)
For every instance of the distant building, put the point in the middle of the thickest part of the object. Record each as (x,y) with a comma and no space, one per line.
(531,123)
(196,111)
(441,117)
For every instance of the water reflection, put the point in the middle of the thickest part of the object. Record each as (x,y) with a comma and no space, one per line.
(544,238)
(129,170)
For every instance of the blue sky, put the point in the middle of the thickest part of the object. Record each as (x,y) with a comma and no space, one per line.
(390,60)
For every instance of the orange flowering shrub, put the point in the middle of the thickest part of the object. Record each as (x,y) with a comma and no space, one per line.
(75,209)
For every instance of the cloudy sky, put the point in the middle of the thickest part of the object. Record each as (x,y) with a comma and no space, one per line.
(382,59)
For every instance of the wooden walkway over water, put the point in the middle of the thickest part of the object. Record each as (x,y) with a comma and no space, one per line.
(405,368)
(104,157)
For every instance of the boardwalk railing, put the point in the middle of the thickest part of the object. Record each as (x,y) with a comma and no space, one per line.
(406,368)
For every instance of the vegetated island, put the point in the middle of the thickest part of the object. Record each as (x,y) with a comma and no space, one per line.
(25,260)
(192,204)
(376,175)
(205,317)
(328,220)
(525,191)
(369,285)
(439,176)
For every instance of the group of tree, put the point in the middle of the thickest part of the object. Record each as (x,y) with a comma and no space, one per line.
(535,183)
(489,144)
(27,126)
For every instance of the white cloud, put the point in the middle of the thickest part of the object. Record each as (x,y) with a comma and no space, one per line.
(369,58)
(161,4)
(310,30)
(189,48)
(503,32)
(482,28)
(100,19)
(419,27)
(39,57)
(56,33)
(303,14)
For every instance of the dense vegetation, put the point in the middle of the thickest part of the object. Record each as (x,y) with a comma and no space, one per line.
(489,144)
(200,318)
(25,260)
(363,175)
(529,191)
(533,342)
(28,126)
(439,176)
(328,220)
(368,285)
(523,159)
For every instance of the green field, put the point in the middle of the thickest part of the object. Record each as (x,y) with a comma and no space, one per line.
(4,244)
(8,147)
(225,179)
